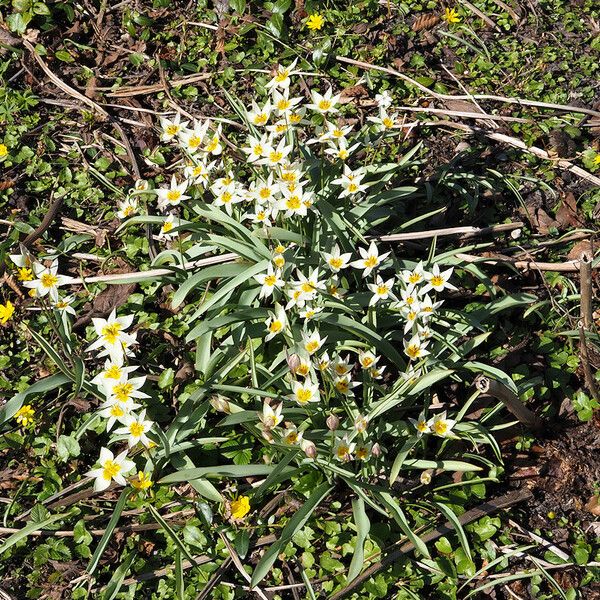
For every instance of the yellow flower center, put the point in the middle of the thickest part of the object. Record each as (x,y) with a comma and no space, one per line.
(413,351)
(382,290)
(437,280)
(342,386)
(136,429)
(111,332)
(283,104)
(303,395)
(291,437)
(260,119)
(167,226)
(324,105)
(116,411)
(270,280)
(366,362)
(311,346)
(265,193)
(276,326)
(212,146)
(343,451)
(113,372)
(275,156)
(258,150)
(173,195)
(303,370)
(414,278)
(48,280)
(109,469)
(371,261)
(293,203)
(122,392)
(336,262)
(440,427)
(172,129)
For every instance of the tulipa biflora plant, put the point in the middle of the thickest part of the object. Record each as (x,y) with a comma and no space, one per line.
(316,343)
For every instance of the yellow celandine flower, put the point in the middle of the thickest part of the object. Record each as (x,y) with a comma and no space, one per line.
(24,416)
(6,311)
(141,481)
(240,507)
(315,21)
(451,16)
(24,274)
(3,150)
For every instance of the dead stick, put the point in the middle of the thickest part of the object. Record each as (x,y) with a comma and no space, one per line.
(585,363)
(585,283)
(484,509)
(512,402)
(571,266)
(504,99)
(480,14)
(464,232)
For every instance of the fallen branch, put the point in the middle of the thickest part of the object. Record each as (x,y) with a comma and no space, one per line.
(570,266)
(462,232)
(585,363)
(516,143)
(512,402)
(505,100)
(484,509)
(585,286)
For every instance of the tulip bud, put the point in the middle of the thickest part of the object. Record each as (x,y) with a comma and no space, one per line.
(220,403)
(309,448)
(293,361)
(426,477)
(333,422)
(376,450)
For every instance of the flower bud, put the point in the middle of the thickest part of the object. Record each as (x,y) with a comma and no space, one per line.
(333,422)
(376,450)
(309,448)
(426,477)
(293,361)
(220,403)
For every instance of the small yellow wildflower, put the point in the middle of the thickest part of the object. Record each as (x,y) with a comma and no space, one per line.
(24,274)
(24,416)
(597,159)
(451,16)
(240,507)
(315,21)
(6,311)
(141,481)
(3,150)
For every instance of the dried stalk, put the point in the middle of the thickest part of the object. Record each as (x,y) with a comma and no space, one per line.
(570,266)
(504,99)
(590,381)
(463,232)
(585,284)
(512,402)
